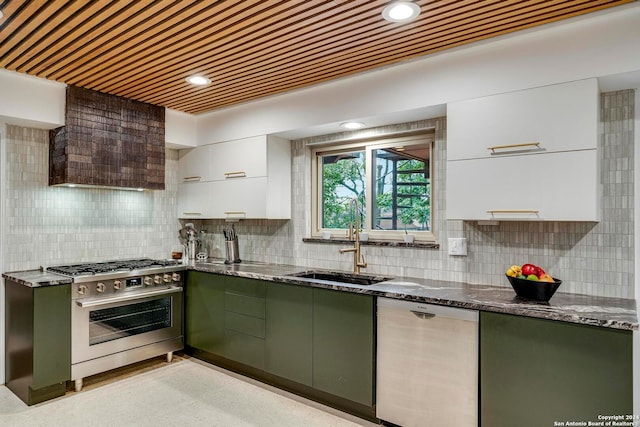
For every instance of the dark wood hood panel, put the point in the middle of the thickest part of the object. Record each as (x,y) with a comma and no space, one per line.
(108,141)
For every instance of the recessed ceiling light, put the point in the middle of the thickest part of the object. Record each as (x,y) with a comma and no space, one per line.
(401,11)
(198,80)
(352,125)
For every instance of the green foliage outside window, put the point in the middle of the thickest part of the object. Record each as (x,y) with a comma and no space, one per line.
(342,180)
(402,191)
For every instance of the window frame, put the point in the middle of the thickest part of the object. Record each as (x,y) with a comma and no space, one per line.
(368,145)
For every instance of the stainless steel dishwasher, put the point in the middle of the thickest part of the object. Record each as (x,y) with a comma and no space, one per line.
(427,364)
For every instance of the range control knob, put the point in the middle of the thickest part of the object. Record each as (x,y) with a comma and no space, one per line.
(117,284)
(166,278)
(175,277)
(148,281)
(100,287)
(82,289)
(157,280)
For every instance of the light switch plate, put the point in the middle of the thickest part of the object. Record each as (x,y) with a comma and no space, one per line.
(458,246)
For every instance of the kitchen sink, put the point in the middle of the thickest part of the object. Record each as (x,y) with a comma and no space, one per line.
(221,262)
(340,277)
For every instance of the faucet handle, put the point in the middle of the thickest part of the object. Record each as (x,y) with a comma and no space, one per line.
(362,263)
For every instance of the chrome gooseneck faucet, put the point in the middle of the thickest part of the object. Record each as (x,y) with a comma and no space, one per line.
(354,235)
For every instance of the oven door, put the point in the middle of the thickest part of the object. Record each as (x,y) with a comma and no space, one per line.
(111,324)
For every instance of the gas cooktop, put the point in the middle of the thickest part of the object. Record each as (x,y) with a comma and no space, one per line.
(93,268)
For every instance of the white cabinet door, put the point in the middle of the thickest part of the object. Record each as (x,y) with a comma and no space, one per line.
(194,164)
(555,186)
(560,117)
(240,158)
(240,198)
(194,200)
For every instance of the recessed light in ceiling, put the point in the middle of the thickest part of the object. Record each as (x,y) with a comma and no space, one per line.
(401,11)
(352,125)
(198,80)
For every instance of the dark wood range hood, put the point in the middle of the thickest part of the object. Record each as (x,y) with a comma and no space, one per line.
(108,141)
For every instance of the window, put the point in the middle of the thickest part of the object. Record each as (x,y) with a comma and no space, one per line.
(390,178)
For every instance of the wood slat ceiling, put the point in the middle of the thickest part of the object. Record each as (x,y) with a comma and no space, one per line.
(144,49)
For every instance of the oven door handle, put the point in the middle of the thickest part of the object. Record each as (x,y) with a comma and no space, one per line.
(96,302)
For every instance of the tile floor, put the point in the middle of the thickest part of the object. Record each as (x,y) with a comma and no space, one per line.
(186,392)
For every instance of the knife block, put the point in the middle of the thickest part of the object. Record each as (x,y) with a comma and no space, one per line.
(232,252)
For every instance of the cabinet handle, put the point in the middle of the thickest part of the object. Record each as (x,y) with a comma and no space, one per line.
(506,147)
(192,178)
(422,315)
(517,211)
(239,174)
(235,213)
(191,213)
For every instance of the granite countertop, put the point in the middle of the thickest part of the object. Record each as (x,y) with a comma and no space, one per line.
(616,313)
(37,278)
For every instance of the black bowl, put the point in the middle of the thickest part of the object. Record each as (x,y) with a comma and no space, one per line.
(530,289)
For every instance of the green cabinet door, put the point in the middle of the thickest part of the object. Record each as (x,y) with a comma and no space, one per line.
(204,312)
(289,332)
(535,372)
(51,335)
(343,344)
(37,341)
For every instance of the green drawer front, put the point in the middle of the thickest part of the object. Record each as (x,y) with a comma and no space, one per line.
(244,324)
(241,304)
(244,349)
(242,286)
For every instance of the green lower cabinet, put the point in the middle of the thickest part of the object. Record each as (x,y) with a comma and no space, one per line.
(535,372)
(224,316)
(316,342)
(289,332)
(204,312)
(38,340)
(343,344)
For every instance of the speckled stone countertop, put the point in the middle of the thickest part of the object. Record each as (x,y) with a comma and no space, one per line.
(616,313)
(37,278)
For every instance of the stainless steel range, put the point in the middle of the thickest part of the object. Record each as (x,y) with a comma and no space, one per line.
(123,312)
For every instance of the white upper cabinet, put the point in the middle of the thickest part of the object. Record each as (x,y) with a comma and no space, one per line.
(239,158)
(547,119)
(194,164)
(526,155)
(194,201)
(245,178)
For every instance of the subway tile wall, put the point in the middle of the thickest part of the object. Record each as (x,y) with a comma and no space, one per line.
(57,225)
(596,259)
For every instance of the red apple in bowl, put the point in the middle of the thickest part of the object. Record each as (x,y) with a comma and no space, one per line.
(529,269)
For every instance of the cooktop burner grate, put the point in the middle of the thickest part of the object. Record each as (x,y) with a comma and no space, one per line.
(85,269)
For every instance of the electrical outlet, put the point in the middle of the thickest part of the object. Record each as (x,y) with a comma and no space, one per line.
(458,246)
